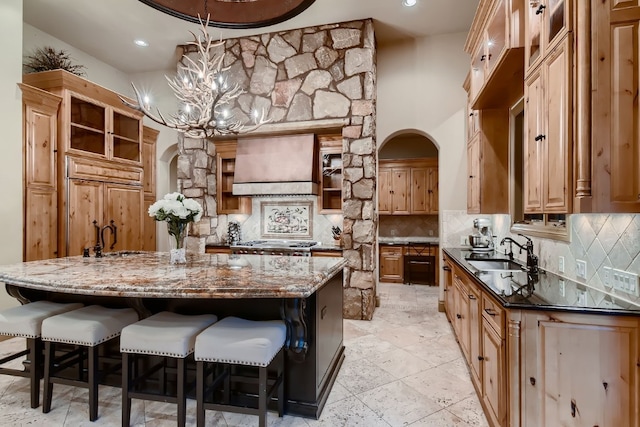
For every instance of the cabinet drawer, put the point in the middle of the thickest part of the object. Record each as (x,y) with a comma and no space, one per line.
(493,313)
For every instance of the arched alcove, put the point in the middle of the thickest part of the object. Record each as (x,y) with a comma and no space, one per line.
(408,145)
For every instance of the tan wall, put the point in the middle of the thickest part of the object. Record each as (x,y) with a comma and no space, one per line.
(10,123)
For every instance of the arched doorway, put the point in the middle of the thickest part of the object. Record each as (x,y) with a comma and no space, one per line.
(408,200)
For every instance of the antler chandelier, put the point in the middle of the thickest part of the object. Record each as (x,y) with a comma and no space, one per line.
(205,93)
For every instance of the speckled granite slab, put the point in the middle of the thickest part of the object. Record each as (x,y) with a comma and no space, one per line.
(150,275)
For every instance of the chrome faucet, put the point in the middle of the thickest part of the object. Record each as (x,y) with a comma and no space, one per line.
(532,259)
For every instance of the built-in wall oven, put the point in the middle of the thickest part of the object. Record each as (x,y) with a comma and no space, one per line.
(274,247)
(420,263)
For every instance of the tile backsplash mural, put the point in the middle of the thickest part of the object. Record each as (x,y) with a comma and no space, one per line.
(602,240)
(251,226)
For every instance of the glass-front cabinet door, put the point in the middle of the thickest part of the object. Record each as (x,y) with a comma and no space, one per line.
(126,137)
(88,127)
(547,22)
(104,131)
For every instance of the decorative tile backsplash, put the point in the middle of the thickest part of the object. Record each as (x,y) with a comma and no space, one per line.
(408,226)
(602,240)
(251,226)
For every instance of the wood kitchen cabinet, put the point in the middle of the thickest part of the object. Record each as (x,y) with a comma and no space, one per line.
(39,130)
(330,194)
(488,164)
(447,277)
(479,324)
(101,167)
(615,117)
(408,187)
(580,370)
(103,203)
(424,191)
(546,23)
(228,203)
(394,191)
(496,46)
(149,138)
(548,136)
(391,264)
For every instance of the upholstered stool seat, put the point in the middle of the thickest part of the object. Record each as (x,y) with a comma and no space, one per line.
(26,321)
(86,328)
(234,341)
(166,334)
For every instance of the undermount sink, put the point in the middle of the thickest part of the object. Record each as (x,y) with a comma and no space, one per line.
(495,265)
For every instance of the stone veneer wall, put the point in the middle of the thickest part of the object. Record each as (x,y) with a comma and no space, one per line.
(305,79)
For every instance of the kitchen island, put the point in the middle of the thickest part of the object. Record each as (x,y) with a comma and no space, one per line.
(306,292)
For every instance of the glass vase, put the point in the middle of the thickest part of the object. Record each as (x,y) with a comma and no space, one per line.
(177,237)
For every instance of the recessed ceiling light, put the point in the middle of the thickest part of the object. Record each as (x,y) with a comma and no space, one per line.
(409,3)
(143,43)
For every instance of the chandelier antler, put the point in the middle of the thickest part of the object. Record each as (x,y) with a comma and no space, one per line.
(204,92)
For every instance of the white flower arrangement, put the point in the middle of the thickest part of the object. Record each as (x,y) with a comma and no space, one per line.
(177,211)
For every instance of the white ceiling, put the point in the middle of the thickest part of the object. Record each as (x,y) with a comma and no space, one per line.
(106,29)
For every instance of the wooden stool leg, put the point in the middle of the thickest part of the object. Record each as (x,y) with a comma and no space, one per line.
(180,393)
(34,345)
(126,385)
(200,384)
(49,349)
(262,397)
(227,383)
(93,383)
(281,371)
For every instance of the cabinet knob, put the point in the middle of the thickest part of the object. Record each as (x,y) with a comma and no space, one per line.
(483,57)
(540,137)
(471,297)
(532,381)
(540,9)
(470,176)
(459,316)
(480,358)
(446,268)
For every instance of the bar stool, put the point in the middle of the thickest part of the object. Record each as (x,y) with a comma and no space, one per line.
(26,321)
(166,334)
(85,328)
(232,342)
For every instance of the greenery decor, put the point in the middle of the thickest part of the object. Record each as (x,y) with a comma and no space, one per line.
(47,58)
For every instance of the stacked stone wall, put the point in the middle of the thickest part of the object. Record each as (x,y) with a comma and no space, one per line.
(306,76)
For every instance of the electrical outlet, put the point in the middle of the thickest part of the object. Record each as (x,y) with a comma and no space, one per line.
(464,240)
(625,281)
(581,269)
(561,287)
(561,264)
(582,297)
(606,276)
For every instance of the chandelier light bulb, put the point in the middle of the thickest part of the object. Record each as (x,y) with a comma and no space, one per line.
(409,3)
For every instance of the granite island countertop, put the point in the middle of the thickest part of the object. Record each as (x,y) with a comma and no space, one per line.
(150,275)
(517,290)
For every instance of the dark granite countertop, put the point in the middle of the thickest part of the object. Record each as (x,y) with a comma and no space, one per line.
(150,275)
(517,290)
(404,241)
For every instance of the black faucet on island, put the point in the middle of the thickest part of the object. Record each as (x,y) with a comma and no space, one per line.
(532,259)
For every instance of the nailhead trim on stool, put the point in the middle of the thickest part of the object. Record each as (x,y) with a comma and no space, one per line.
(26,321)
(86,327)
(235,341)
(164,334)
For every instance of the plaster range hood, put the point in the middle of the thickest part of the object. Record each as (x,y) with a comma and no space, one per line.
(277,165)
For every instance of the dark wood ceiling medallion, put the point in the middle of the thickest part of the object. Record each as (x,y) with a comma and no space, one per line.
(232,13)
